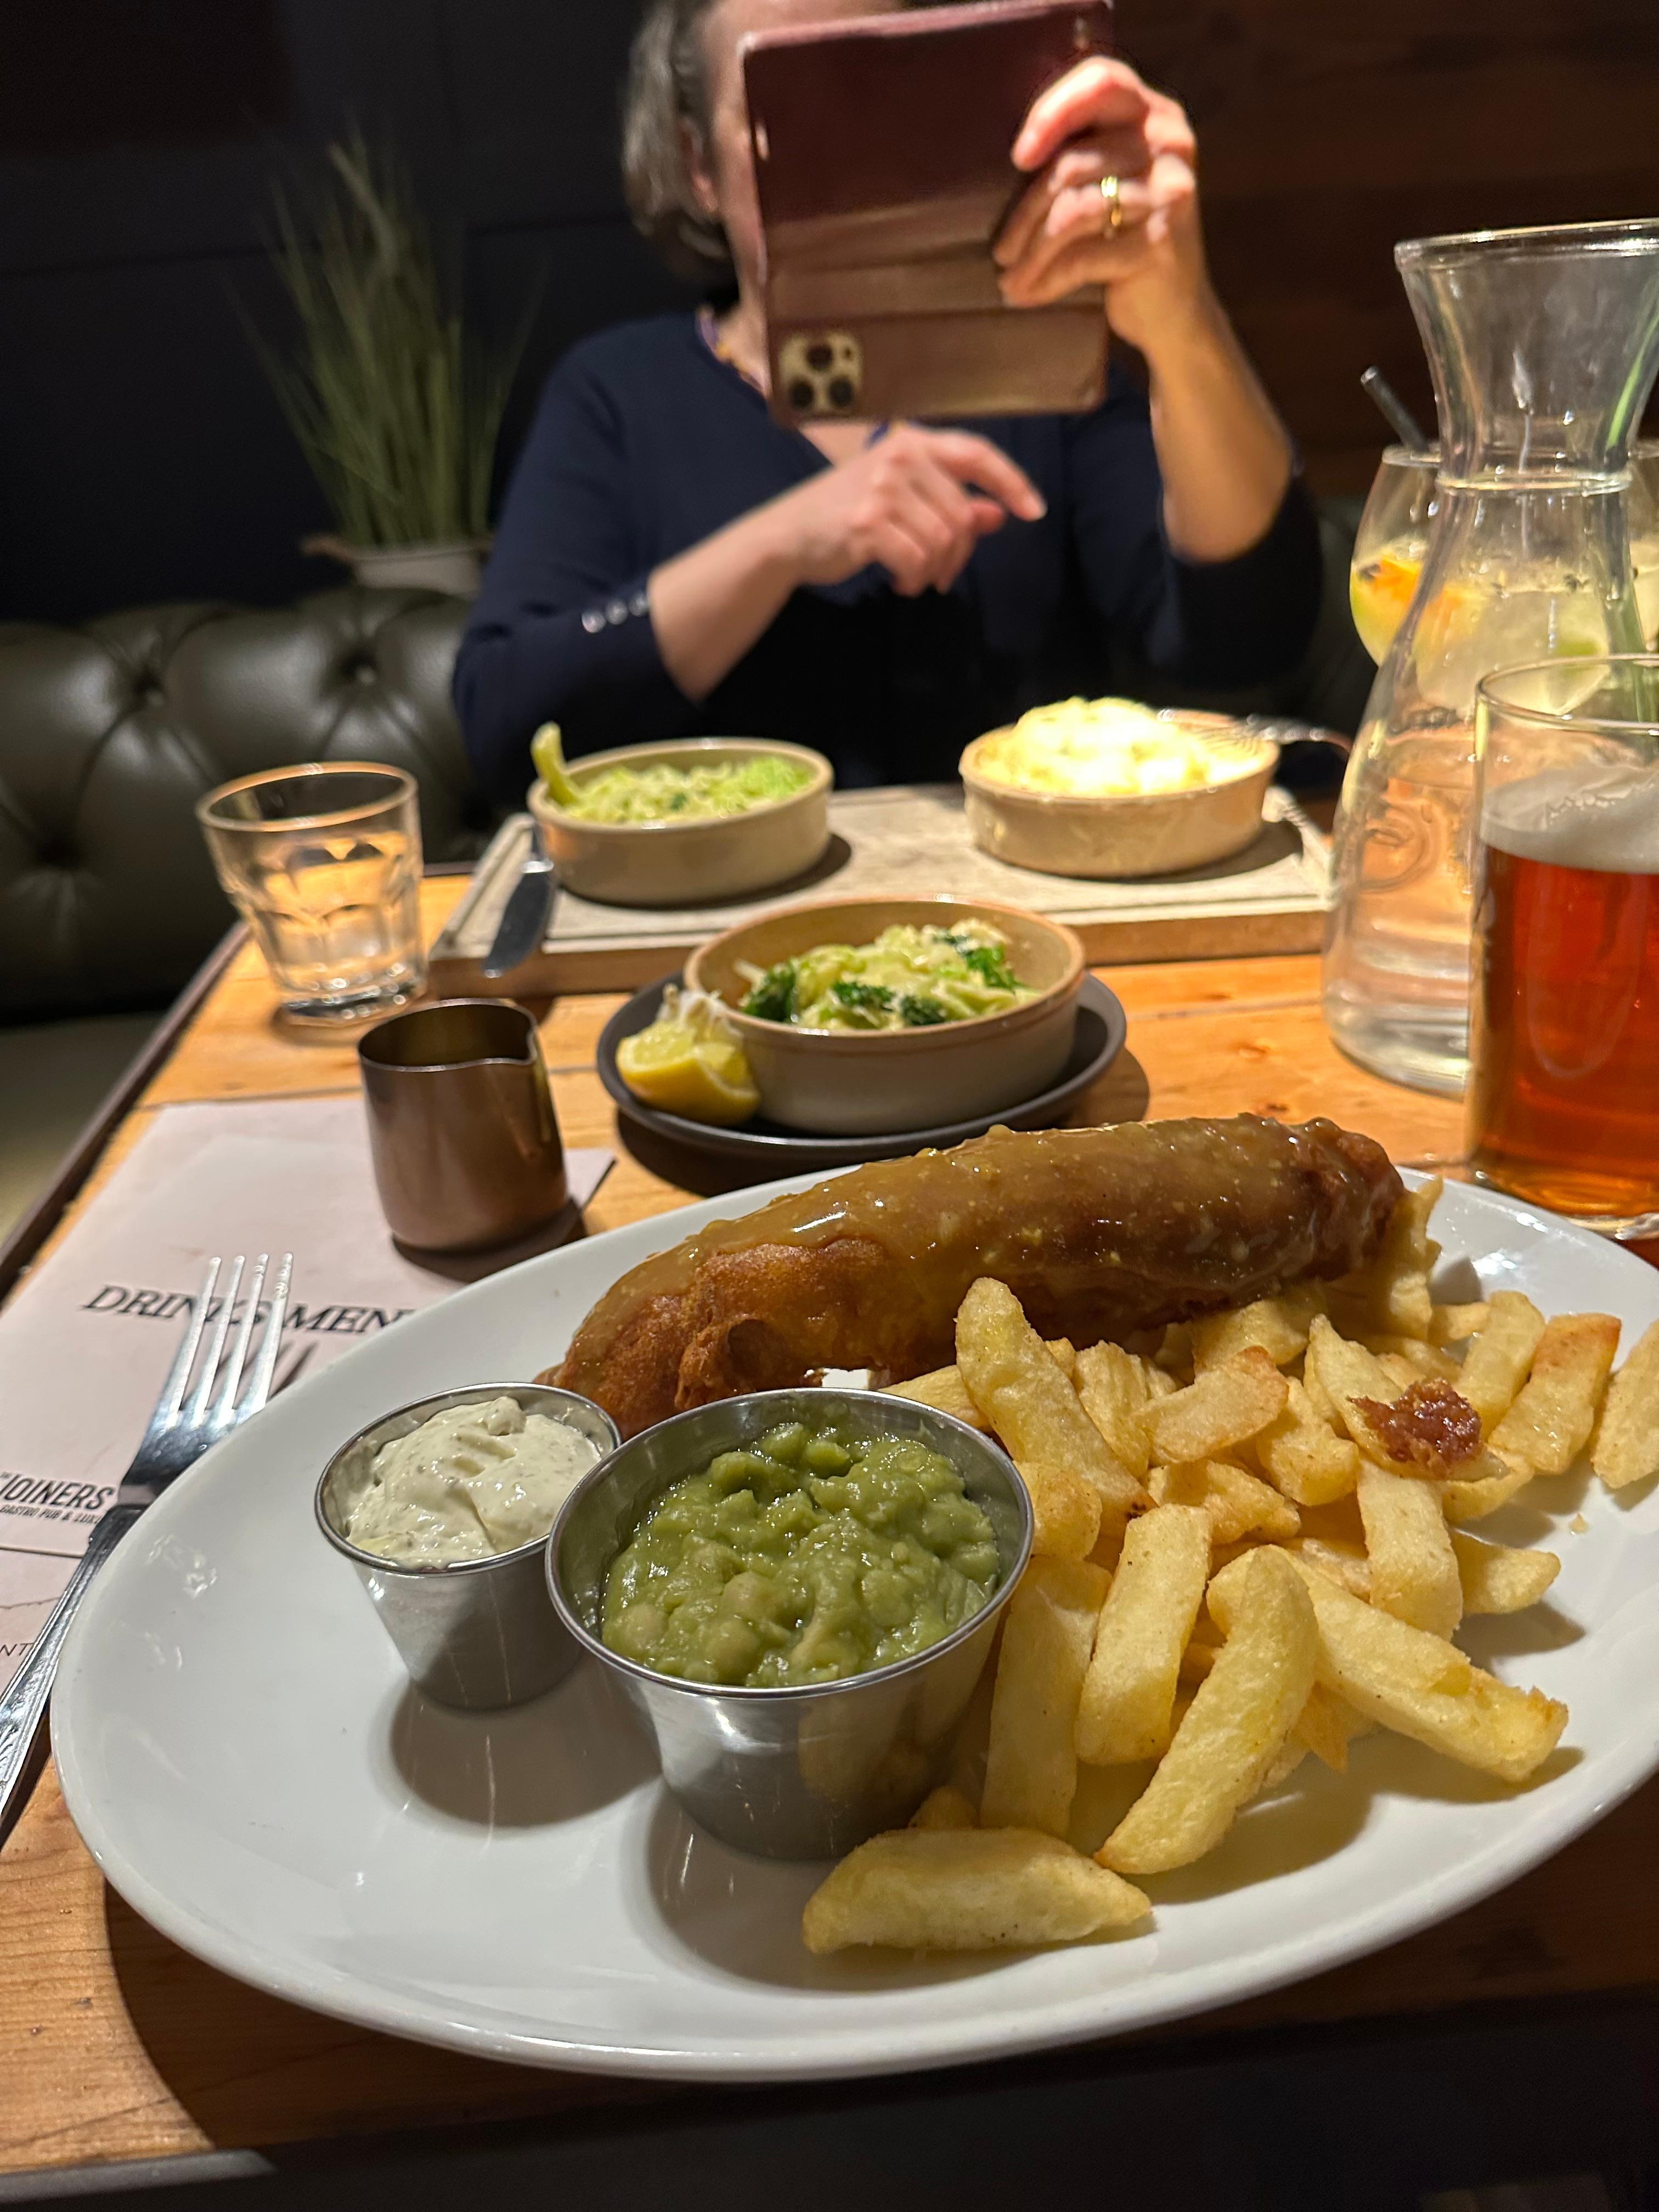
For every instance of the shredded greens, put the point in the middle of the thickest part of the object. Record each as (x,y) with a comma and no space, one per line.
(660,793)
(906,979)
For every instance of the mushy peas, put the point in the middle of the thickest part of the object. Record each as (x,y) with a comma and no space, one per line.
(807,1556)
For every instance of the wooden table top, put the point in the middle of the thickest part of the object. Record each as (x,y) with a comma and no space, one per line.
(115,2045)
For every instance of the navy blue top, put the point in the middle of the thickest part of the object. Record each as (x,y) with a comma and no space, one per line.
(646,443)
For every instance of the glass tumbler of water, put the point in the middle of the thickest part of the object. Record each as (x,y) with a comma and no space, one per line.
(323,862)
(1562,1101)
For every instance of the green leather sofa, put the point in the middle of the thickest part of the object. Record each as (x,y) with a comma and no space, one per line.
(110,733)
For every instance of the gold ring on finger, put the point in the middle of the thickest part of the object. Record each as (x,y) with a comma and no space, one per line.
(1111,191)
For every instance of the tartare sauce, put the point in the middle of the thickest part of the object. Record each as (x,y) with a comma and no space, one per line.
(470,1483)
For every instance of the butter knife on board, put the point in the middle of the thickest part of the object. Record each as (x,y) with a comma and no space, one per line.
(524,919)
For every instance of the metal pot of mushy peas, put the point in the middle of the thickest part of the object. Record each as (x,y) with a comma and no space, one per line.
(477,1633)
(796,1772)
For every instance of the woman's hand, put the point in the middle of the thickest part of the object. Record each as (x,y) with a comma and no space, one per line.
(1224,454)
(1097,121)
(916,503)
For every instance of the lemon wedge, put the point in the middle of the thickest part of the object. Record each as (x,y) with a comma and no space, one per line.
(547,750)
(690,1062)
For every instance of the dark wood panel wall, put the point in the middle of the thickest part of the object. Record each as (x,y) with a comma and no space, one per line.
(1330,129)
(141,457)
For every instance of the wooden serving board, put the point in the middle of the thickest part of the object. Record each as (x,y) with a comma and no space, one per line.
(891,843)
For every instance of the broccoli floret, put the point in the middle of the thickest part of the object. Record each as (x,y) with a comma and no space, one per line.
(773,999)
(920,1010)
(863,998)
(990,963)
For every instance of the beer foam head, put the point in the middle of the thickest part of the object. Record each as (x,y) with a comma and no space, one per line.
(1604,818)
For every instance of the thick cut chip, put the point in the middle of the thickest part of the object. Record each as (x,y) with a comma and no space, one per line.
(1407,1358)
(1392,1293)
(966,1889)
(1301,1455)
(1413,1567)
(1339,1523)
(1239,1503)
(1030,1768)
(1550,1422)
(1290,1756)
(1223,1555)
(945,1391)
(945,1807)
(1278,1327)
(1414,1424)
(1344,1562)
(1128,1692)
(1496,1579)
(1024,1396)
(1423,1687)
(1225,1406)
(1626,1448)
(1108,1545)
(1500,1354)
(1455,1324)
(1327,1726)
(1350,1377)
(1485,1485)
(1115,1387)
(1236,1725)
(1318,1396)
(1023,1392)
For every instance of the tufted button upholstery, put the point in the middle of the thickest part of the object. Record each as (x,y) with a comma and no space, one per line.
(110,733)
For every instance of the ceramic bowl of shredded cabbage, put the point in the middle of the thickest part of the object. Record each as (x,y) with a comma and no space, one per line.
(681,824)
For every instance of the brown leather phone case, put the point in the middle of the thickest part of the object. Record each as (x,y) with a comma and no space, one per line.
(882,161)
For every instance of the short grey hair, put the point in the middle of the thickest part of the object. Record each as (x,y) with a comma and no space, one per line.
(667,95)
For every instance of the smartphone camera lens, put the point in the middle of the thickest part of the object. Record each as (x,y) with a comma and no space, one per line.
(819,356)
(842,394)
(803,396)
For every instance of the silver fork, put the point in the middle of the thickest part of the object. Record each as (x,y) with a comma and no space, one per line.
(178,1433)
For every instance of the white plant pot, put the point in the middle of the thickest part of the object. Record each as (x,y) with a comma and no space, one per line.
(454,567)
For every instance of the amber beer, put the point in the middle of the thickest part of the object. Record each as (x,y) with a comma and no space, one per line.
(1564,1092)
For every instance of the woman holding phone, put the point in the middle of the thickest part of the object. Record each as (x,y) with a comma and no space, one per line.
(671,562)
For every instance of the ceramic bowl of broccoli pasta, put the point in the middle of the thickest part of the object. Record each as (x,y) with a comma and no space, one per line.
(857,1017)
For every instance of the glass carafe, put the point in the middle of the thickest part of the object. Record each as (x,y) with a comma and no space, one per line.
(1542,344)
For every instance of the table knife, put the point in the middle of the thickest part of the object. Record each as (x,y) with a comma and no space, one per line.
(524,919)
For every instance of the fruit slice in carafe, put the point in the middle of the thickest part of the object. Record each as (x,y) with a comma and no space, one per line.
(1476,623)
(1381,589)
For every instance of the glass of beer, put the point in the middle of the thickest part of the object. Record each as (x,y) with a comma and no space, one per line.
(323,862)
(1562,1102)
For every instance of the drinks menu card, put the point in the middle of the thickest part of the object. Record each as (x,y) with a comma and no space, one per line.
(87,1339)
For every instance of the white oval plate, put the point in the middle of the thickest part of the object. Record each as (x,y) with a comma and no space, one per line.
(240,1749)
